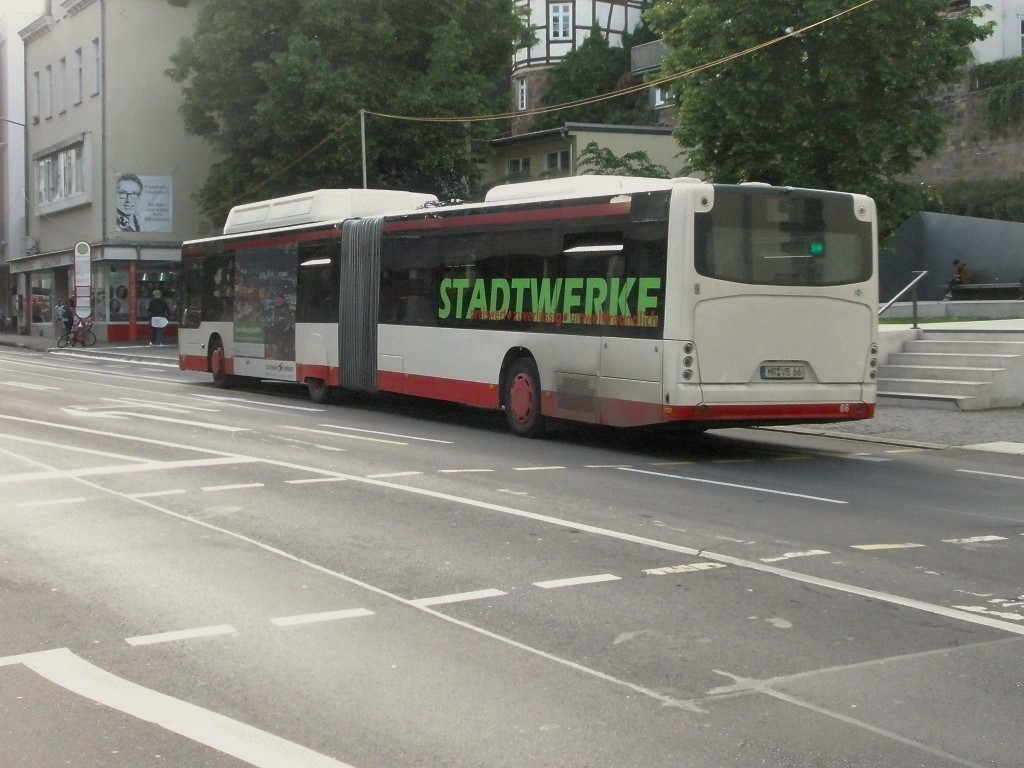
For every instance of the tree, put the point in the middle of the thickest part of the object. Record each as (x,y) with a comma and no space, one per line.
(845,105)
(601,161)
(593,69)
(276,87)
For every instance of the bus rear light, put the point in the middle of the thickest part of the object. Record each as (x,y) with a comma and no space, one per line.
(687,374)
(688,348)
(687,361)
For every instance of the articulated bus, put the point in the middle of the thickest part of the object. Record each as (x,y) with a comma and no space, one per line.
(611,300)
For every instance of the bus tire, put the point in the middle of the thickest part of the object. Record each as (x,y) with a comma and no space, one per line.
(319,391)
(218,365)
(522,399)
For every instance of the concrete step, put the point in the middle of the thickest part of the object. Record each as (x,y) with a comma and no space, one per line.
(972,389)
(952,360)
(938,373)
(919,400)
(965,346)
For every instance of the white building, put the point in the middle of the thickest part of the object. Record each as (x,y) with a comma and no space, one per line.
(14,15)
(109,163)
(1006,41)
(560,28)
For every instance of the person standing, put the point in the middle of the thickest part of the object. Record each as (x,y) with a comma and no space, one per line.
(158,310)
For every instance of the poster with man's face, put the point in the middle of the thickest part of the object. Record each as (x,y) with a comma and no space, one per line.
(144,203)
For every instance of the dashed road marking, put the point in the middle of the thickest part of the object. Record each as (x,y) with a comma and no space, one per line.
(480,594)
(394,474)
(975,539)
(722,484)
(232,487)
(874,547)
(181,634)
(533,469)
(314,618)
(791,555)
(346,436)
(458,471)
(576,581)
(688,568)
(991,474)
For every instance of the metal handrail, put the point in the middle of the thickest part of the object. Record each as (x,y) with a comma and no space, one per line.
(912,287)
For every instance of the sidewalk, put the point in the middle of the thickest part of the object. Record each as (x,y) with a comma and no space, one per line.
(892,424)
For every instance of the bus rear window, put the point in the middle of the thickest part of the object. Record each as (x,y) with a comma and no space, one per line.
(767,237)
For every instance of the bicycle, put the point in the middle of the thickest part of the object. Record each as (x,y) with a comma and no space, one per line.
(81,333)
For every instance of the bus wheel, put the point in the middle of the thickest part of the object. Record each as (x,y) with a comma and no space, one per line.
(522,399)
(218,366)
(319,392)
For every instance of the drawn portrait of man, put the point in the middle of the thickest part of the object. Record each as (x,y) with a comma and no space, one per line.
(129,190)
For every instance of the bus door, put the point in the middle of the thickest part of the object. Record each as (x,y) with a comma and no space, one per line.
(632,352)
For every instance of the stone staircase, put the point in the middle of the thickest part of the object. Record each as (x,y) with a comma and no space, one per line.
(956,369)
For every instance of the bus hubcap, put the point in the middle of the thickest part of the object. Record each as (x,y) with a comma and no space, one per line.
(521,398)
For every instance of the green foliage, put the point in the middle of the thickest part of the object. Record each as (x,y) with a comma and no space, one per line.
(276,87)
(1002,83)
(595,68)
(601,161)
(1002,199)
(846,105)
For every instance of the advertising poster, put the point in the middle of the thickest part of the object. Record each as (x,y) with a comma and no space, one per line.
(144,203)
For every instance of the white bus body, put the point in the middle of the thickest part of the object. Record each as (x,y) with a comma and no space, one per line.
(610,300)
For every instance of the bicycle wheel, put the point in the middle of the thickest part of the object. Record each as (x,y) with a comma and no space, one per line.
(87,337)
(64,340)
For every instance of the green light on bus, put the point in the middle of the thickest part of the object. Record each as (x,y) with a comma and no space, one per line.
(816,248)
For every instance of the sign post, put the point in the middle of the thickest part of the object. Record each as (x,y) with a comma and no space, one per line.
(83,279)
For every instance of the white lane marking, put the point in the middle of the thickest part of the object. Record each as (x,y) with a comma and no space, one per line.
(316,480)
(457,471)
(606,466)
(791,555)
(991,474)
(121,469)
(864,457)
(152,417)
(480,594)
(974,540)
(313,618)
(232,487)
(688,568)
(23,385)
(122,436)
(742,684)
(999,447)
(514,493)
(576,581)
(390,434)
(78,451)
(129,402)
(755,488)
(533,469)
(230,737)
(268,404)
(989,612)
(878,547)
(156,494)
(394,474)
(48,503)
(347,437)
(181,634)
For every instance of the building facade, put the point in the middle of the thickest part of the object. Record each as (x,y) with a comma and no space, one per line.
(560,28)
(108,162)
(14,15)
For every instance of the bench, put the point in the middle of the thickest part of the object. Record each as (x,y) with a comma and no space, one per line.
(988,291)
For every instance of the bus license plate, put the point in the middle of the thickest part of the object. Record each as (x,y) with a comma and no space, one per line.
(774,372)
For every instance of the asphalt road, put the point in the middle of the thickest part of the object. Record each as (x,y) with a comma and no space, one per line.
(191,576)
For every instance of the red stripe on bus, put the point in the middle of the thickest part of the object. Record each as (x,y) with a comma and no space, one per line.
(474,393)
(510,217)
(193,363)
(327,373)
